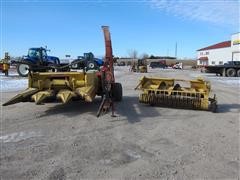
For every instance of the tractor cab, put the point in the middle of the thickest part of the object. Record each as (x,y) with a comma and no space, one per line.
(37,53)
(88,56)
(38,56)
(140,66)
(141,62)
(36,60)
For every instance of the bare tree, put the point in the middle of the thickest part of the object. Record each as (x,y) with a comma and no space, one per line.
(144,56)
(133,54)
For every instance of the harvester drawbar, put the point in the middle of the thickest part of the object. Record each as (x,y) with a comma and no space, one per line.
(84,85)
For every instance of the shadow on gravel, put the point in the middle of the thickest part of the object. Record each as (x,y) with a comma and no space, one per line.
(134,111)
(129,107)
(74,108)
(223,108)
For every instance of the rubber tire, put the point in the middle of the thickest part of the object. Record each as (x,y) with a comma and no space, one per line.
(76,64)
(92,65)
(19,72)
(231,72)
(6,73)
(238,73)
(117,92)
(213,107)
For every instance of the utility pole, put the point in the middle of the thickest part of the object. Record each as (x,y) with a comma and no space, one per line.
(176,50)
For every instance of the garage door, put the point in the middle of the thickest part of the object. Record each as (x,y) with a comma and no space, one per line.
(236,56)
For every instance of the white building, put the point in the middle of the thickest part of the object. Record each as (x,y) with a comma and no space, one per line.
(220,53)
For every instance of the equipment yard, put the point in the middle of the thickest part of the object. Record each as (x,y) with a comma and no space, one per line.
(68,141)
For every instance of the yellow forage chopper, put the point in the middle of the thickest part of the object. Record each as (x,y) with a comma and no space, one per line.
(168,92)
(80,85)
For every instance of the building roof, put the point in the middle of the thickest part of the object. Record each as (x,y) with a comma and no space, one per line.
(223,44)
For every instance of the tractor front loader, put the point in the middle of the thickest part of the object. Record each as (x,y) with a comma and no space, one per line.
(140,66)
(65,86)
(178,93)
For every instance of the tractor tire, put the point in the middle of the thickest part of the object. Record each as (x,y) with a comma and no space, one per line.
(231,72)
(238,73)
(76,64)
(6,73)
(117,92)
(23,70)
(92,65)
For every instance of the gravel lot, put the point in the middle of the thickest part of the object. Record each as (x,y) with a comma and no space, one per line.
(55,141)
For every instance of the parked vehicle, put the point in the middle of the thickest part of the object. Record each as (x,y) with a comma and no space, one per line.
(178,65)
(229,69)
(87,62)
(36,60)
(140,66)
(158,65)
(121,64)
(5,64)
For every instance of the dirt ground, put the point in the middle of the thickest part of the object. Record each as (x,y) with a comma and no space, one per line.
(55,141)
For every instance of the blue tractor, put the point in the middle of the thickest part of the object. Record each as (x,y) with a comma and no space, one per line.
(87,62)
(36,60)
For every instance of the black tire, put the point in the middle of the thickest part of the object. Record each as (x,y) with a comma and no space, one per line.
(238,73)
(76,64)
(67,69)
(117,92)
(23,70)
(92,65)
(213,107)
(6,73)
(231,72)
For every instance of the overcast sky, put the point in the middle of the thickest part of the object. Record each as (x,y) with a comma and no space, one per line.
(152,27)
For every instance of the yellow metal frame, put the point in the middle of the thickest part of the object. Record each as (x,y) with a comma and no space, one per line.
(61,85)
(5,63)
(165,92)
